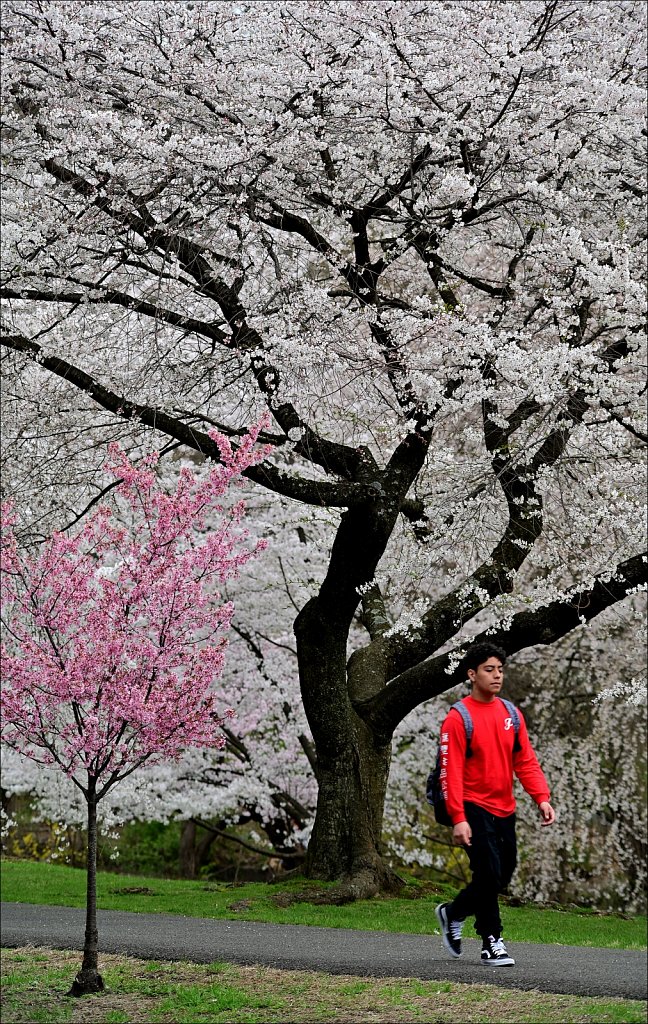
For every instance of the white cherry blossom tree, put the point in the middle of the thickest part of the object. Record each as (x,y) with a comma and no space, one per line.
(413,232)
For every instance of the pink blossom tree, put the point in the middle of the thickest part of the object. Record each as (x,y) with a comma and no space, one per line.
(116,635)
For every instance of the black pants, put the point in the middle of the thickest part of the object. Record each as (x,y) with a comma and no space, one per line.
(493,856)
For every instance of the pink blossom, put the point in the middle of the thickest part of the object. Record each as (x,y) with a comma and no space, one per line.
(116,634)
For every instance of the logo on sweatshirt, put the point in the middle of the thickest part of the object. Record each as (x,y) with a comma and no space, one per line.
(508,724)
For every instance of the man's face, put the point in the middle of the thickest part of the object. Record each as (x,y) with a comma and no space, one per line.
(487,679)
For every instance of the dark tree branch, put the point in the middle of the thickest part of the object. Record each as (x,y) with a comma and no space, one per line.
(495,575)
(333,457)
(377,205)
(362,281)
(308,747)
(110,296)
(514,89)
(384,711)
(312,492)
(425,245)
(641,435)
(93,501)
(413,408)
(242,842)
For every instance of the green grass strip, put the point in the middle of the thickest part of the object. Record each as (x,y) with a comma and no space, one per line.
(35,983)
(34,882)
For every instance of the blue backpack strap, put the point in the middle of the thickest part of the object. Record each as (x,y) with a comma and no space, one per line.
(468,723)
(515,715)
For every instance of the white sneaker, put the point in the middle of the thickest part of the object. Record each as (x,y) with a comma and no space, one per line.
(494,953)
(450,930)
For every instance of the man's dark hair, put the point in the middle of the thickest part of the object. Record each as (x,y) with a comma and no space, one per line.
(478,654)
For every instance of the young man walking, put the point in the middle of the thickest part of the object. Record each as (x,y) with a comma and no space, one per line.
(478,792)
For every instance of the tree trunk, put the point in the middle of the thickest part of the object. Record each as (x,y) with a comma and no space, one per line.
(346,842)
(187,850)
(88,980)
(352,761)
(352,768)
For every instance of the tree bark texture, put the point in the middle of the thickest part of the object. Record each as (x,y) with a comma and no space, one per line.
(187,850)
(88,980)
(352,769)
(346,840)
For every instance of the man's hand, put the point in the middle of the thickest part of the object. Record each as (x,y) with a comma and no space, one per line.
(461,834)
(547,812)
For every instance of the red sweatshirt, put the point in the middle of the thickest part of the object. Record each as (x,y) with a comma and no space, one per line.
(486,778)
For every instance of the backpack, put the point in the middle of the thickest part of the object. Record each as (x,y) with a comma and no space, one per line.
(433,790)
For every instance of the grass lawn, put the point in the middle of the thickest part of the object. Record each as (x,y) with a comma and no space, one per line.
(34,983)
(32,882)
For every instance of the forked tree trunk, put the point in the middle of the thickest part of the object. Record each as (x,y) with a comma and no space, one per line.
(88,980)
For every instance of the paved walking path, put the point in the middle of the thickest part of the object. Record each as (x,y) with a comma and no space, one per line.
(568,969)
